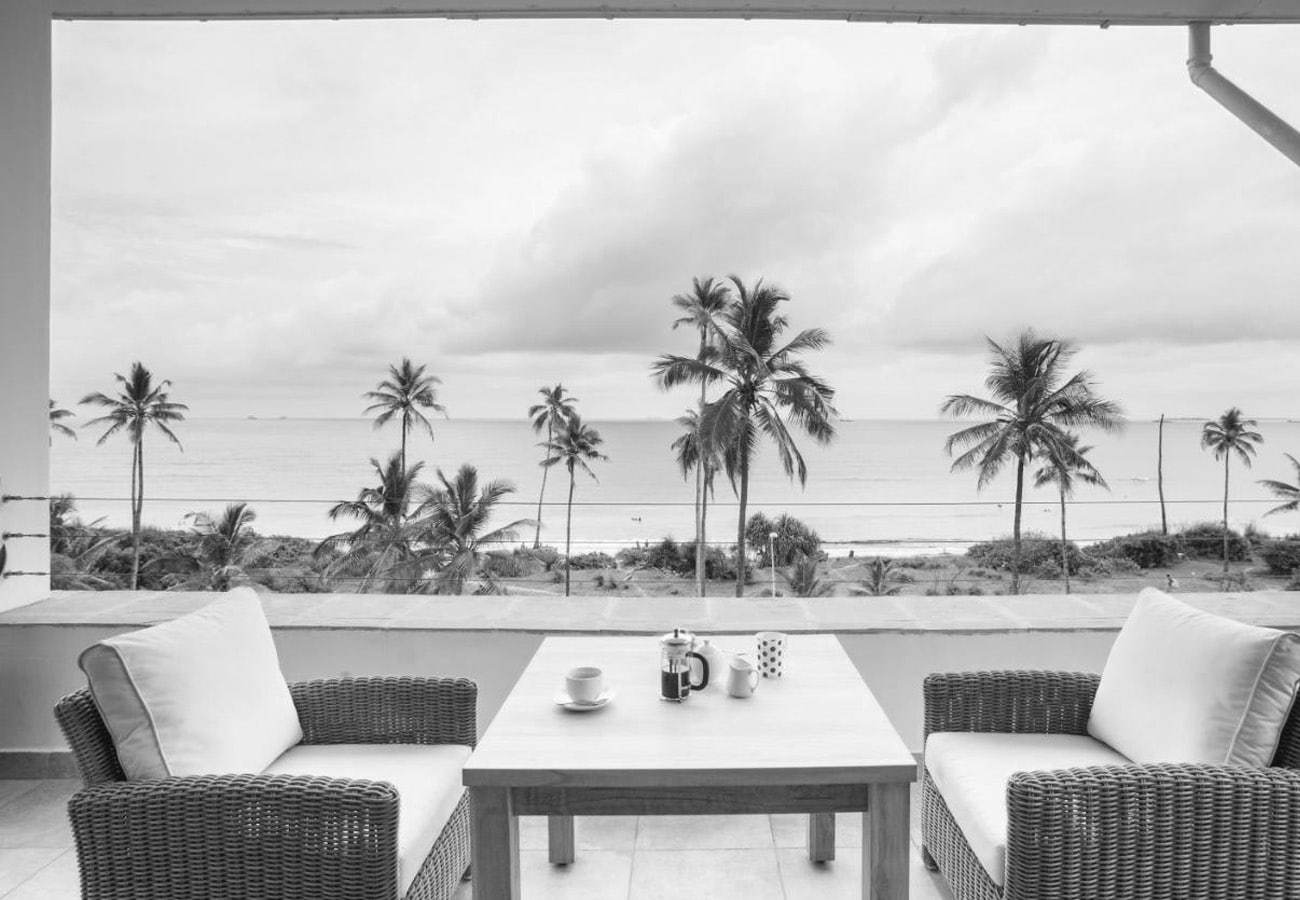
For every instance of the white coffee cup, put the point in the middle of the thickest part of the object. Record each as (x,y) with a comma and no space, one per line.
(585,684)
(742,677)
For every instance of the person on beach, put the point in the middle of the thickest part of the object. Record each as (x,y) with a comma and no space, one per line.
(1171,583)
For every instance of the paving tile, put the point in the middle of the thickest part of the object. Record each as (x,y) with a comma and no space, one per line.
(16,866)
(39,817)
(738,874)
(842,879)
(590,832)
(704,833)
(11,788)
(57,881)
(791,830)
(603,874)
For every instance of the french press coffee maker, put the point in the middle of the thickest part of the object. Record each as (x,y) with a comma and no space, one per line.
(675,655)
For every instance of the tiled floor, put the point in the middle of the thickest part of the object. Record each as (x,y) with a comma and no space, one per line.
(649,858)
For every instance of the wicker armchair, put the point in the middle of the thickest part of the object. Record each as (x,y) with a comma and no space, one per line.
(221,837)
(1136,832)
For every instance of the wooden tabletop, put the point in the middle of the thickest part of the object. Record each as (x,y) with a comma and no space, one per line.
(819,724)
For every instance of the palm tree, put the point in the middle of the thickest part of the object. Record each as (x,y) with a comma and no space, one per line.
(404,393)
(1283,491)
(706,300)
(1033,405)
(56,423)
(883,579)
(451,520)
(574,444)
(76,549)
(384,548)
(763,380)
(802,578)
(139,403)
(1229,434)
(1066,464)
(554,410)
(695,452)
(225,546)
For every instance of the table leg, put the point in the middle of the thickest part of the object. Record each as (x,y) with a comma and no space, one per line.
(494,844)
(821,837)
(559,838)
(885,841)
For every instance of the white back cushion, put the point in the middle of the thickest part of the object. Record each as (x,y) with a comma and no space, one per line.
(1186,686)
(199,695)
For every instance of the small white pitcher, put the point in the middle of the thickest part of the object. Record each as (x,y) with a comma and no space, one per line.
(742,677)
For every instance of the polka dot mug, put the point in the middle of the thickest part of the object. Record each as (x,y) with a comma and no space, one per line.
(771,653)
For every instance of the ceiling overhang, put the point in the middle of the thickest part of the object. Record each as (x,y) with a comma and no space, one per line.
(1017,12)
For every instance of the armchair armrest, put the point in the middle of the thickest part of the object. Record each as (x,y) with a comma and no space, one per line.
(255,837)
(387,710)
(1148,831)
(1014,702)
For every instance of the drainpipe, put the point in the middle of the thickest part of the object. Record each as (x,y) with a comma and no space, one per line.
(1264,121)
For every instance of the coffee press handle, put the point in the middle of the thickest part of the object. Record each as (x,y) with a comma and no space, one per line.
(704,671)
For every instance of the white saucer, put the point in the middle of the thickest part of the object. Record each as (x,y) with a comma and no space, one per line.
(601,701)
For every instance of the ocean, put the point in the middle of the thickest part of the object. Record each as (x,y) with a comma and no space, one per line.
(881,487)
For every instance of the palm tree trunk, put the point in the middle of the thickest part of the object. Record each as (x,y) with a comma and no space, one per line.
(1160,475)
(546,470)
(740,527)
(699,525)
(699,480)
(568,532)
(704,517)
(137,503)
(406,424)
(1065,556)
(1226,459)
(1015,531)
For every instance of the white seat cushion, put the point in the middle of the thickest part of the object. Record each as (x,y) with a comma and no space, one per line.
(427,779)
(200,695)
(971,772)
(1185,686)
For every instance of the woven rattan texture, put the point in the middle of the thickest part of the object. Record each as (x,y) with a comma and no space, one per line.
(92,745)
(1014,702)
(269,836)
(447,863)
(387,710)
(1140,832)
(946,843)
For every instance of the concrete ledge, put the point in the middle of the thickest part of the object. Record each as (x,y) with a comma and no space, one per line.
(651,615)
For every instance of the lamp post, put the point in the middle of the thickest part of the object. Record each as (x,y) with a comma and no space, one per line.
(771,557)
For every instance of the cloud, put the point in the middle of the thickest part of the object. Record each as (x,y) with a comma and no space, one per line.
(271,213)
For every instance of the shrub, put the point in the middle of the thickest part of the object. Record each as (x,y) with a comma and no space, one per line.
(592,560)
(1281,555)
(549,557)
(1040,555)
(794,539)
(507,564)
(1146,549)
(1107,566)
(1204,540)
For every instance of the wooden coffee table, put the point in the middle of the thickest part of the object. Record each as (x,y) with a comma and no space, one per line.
(815,741)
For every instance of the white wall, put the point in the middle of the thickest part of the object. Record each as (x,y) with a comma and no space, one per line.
(24,289)
(38,664)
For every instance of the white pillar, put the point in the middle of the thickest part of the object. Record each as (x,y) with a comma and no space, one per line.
(24,292)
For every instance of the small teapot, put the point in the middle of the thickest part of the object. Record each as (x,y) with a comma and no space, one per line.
(716,657)
(675,658)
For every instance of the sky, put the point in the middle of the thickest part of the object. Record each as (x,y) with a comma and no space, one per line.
(269,214)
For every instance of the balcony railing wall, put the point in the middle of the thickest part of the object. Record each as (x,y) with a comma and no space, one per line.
(894,641)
